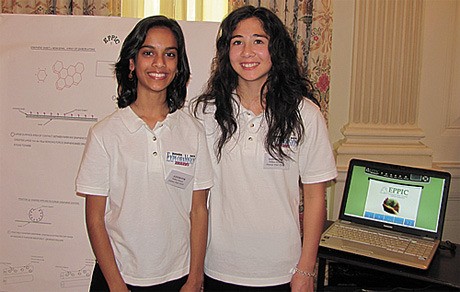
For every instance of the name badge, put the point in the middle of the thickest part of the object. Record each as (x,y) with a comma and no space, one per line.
(178,179)
(272,163)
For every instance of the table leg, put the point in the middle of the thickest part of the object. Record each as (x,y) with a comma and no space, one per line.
(321,274)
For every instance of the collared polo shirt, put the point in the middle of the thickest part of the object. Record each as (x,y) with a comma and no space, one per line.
(254,204)
(148,176)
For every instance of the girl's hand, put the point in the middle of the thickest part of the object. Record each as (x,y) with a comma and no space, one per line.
(300,283)
(192,287)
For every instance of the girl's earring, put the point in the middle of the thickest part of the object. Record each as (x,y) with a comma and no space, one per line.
(130,75)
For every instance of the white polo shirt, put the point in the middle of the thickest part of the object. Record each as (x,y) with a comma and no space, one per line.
(148,177)
(254,237)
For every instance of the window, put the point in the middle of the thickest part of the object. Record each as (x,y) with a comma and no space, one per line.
(191,10)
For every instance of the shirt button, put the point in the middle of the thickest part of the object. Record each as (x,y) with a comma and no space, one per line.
(155,153)
(154,138)
(251,125)
(250,138)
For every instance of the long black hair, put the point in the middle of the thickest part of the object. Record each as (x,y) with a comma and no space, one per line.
(285,88)
(127,84)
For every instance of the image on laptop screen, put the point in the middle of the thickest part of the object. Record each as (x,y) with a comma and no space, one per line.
(402,198)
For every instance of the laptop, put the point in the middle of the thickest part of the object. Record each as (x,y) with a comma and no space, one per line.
(391,212)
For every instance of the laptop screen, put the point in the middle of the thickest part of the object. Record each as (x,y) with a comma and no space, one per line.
(407,199)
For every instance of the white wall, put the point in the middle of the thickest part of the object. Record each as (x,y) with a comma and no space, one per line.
(439,112)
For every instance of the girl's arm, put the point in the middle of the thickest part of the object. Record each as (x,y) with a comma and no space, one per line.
(198,240)
(313,221)
(95,210)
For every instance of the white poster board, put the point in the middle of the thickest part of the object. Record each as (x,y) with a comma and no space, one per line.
(56,81)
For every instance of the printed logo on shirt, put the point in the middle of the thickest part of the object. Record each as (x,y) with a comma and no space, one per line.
(290,143)
(180,158)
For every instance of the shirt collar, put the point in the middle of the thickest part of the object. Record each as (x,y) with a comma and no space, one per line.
(133,122)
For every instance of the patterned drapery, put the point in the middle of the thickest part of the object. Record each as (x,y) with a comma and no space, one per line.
(63,7)
(310,24)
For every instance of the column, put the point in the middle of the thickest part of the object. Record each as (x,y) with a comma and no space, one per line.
(385,85)
(384,88)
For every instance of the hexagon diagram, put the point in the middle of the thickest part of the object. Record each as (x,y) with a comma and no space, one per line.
(68,76)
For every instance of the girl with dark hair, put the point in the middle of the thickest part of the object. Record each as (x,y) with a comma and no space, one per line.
(145,171)
(267,134)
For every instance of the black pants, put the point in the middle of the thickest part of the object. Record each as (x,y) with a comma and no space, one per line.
(99,284)
(212,285)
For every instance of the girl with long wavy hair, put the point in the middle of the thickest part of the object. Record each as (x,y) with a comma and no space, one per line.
(266,134)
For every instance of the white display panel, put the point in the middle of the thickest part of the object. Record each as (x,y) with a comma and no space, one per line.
(56,81)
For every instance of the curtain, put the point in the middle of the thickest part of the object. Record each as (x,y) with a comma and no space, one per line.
(204,10)
(134,9)
(64,7)
(310,24)
(196,10)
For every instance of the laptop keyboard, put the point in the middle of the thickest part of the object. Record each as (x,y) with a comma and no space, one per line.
(392,243)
